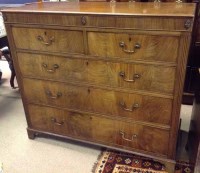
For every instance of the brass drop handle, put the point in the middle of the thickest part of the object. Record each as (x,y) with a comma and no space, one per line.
(49,41)
(83,20)
(55,66)
(50,95)
(123,75)
(56,122)
(134,136)
(137,46)
(123,46)
(188,24)
(124,107)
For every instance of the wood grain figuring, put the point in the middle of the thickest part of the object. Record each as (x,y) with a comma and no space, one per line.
(51,120)
(119,22)
(144,138)
(98,72)
(150,109)
(107,75)
(87,126)
(48,40)
(74,124)
(151,47)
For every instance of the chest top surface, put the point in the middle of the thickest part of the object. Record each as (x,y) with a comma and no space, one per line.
(106,8)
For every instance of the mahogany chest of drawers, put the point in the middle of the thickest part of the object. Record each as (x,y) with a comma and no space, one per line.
(107,74)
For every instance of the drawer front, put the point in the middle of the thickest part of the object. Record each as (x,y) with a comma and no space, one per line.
(62,122)
(132,106)
(121,75)
(99,129)
(48,119)
(143,138)
(133,46)
(52,67)
(49,40)
(103,21)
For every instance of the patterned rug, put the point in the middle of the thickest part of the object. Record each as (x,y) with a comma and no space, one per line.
(118,162)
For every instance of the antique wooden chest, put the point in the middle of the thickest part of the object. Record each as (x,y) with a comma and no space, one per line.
(103,73)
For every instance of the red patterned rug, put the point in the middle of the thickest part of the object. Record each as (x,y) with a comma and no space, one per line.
(118,162)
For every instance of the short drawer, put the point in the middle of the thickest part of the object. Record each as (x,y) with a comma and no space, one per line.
(49,40)
(99,129)
(135,46)
(112,103)
(116,75)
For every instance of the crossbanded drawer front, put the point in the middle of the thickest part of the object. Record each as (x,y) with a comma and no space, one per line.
(133,106)
(50,40)
(133,46)
(120,75)
(160,23)
(99,129)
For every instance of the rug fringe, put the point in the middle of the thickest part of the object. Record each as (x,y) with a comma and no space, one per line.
(124,168)
(96,163)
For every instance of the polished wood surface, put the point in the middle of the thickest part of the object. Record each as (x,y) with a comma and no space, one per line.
(87,126)
(141,77)
(48,40)
(149,47)
(165,23)
(72,123)
(105,8)
(114,103)
(143,137)
(101,74)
